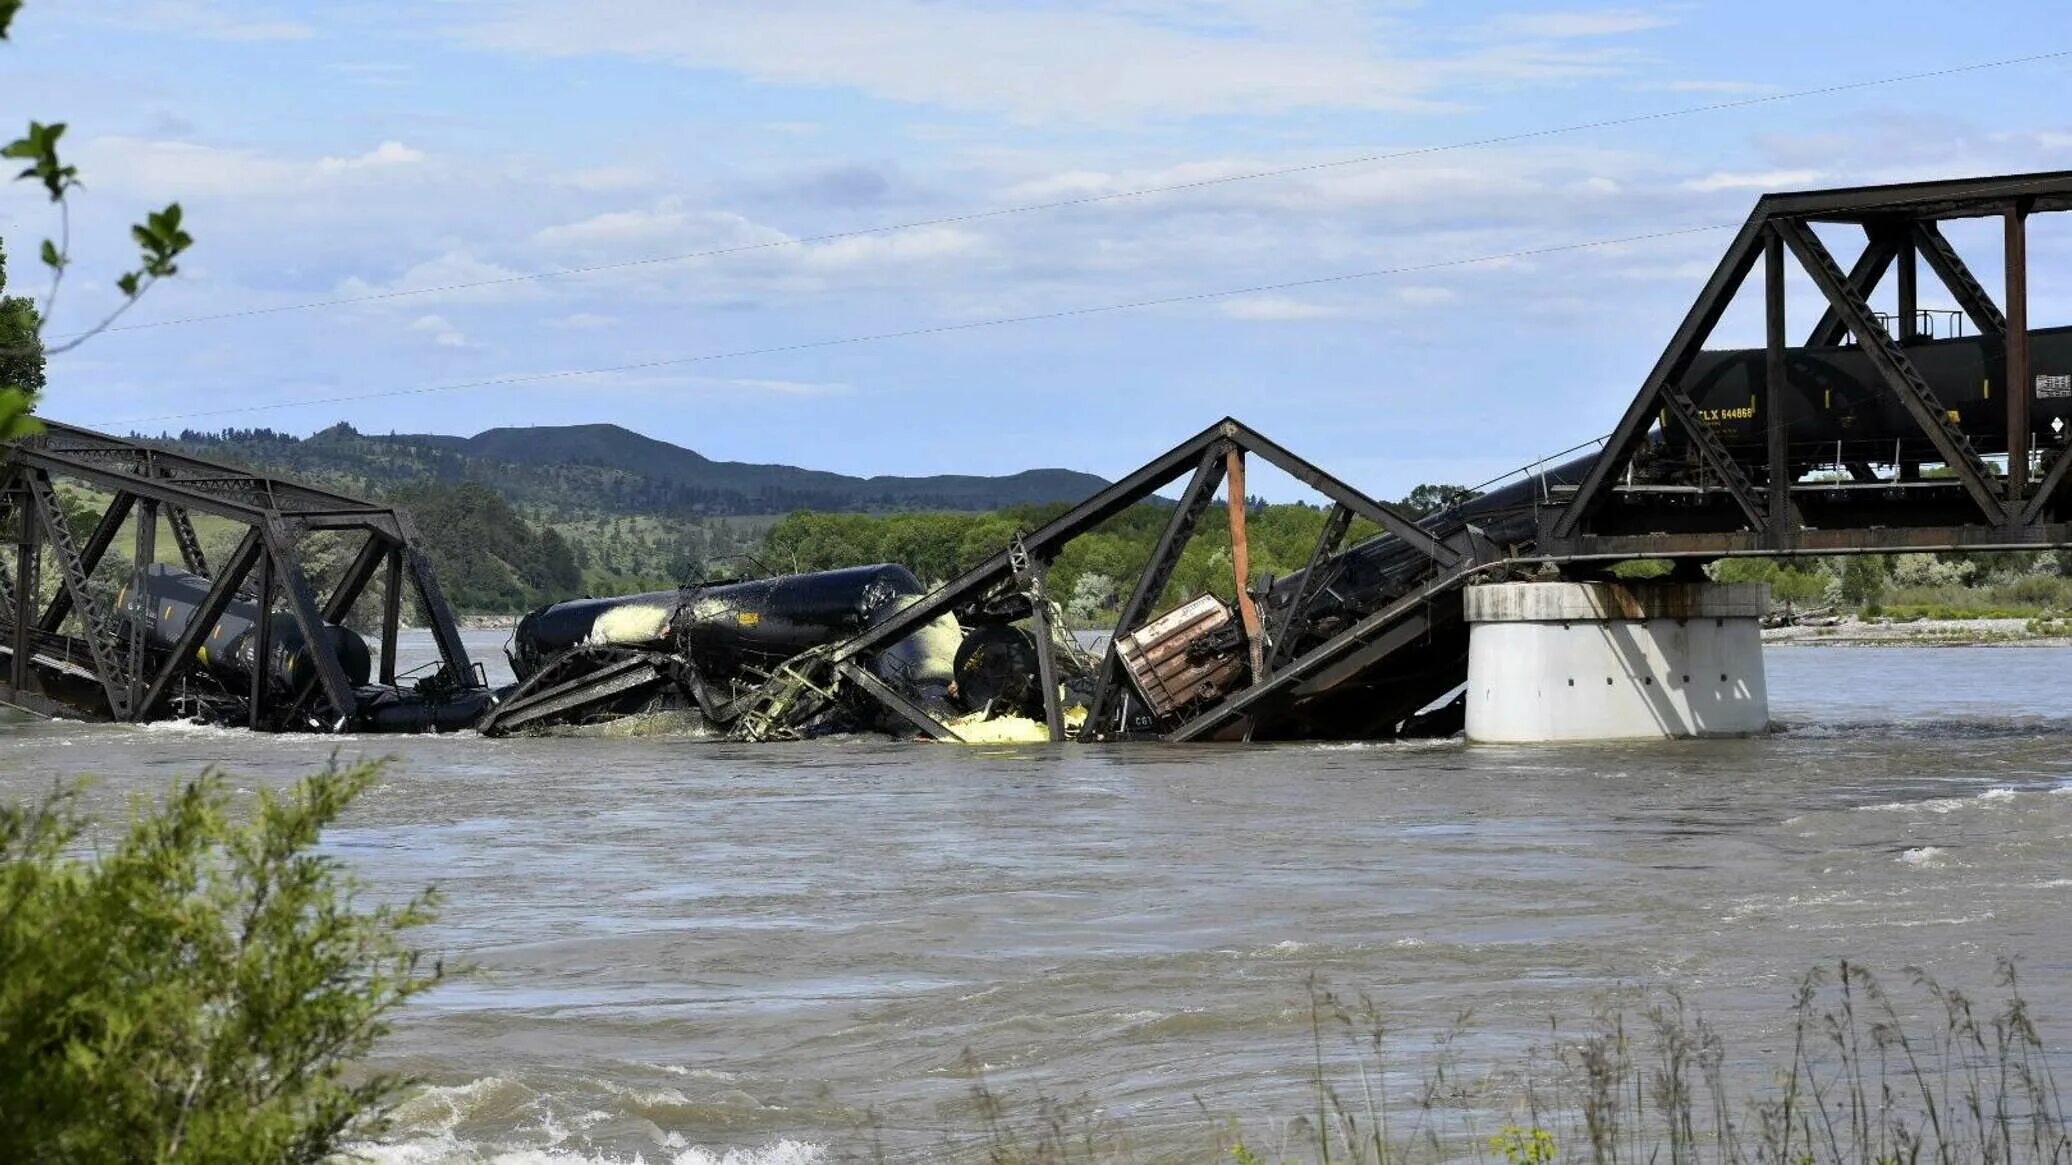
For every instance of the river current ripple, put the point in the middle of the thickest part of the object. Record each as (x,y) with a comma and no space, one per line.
(690,950)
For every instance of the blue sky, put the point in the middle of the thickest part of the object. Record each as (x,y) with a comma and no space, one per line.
(352,149)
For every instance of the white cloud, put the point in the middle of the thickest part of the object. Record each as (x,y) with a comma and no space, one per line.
(1276,309)
(441,330)
(212,21)
(1722,87)
(1084,62)
(1578,23)
(610,179)
(179,169)
(385,154)
(680,384)
(453,270)
(924,245)
(1766,180)
(585,321)
(668,225)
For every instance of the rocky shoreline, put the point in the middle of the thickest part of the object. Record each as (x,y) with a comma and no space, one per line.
(1854,632)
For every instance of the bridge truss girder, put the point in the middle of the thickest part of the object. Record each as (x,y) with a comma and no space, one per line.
(1734,515)
(107,652)
(1204,461)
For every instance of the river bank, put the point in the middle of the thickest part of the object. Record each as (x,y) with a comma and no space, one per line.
(1857,632)
(1847,630)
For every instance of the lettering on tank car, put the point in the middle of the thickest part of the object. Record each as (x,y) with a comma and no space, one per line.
(2053,386)
(1716,416)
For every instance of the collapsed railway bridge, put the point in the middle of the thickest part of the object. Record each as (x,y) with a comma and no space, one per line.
(1916,429)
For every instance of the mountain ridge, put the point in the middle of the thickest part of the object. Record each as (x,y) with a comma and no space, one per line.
(604,469)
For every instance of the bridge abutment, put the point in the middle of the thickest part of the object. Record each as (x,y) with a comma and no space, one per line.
(1558,661)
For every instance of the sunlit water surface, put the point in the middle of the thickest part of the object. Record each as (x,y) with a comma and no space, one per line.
(689,947)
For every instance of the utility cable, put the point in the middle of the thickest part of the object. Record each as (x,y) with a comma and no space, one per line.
(941,329)
(2014,186)
(1119,195)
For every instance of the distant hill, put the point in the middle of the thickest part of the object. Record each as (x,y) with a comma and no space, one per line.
(571,472)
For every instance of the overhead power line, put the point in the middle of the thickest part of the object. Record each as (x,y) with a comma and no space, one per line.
(1116,195)
(934,329)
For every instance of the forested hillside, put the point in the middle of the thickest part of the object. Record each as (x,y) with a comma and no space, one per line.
(571,472)
(514,518)
(1089,575)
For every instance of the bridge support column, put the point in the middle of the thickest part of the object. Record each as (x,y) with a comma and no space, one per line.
(1552,661)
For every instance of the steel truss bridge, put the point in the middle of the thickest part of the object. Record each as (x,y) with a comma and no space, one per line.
(1769,451)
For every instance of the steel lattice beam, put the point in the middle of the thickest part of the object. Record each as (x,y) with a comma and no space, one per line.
(1151,582)
(1898,372)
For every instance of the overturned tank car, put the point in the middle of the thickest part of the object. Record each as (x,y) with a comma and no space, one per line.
(1366,641)
(736,656)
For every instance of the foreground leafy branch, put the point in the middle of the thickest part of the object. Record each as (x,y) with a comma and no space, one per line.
(160,239)
(200,991)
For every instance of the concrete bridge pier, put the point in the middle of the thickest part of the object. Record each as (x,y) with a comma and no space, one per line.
(1552,661)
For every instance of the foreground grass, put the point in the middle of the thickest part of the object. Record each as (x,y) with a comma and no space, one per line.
(1872,1078)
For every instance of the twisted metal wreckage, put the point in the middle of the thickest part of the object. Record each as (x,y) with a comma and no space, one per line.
(982,658)
(1878,432)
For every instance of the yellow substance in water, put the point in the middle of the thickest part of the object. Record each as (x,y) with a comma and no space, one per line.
(637,623)
(973,729)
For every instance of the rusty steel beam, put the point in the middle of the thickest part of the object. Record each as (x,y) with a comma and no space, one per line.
(1241,560)
(391,613)
(1957,279)
(1897,371)
(1328,539)
(1679,406)
(1690,336)
(190,543)
(218,599)
(2019,387)
(1302,667)
(1151,581)
(90,556)
(1776,395)
(1104,505)
(1030,574)
(1937,199)
(895,700)
(302,606)
(27,557)
(1742,543)
(2047,489)
(1380,513)
(146,555)
(259,707)
(1907,290)
(96,624)
(1879,250)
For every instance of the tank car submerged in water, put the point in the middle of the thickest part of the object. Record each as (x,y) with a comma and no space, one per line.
(169,600)
(704,648)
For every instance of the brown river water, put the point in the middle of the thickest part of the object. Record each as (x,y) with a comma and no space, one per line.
(694,951)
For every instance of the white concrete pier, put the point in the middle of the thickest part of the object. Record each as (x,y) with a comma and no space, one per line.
(1552,661)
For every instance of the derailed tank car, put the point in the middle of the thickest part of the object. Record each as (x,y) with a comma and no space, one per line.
(703,649)
(163,608)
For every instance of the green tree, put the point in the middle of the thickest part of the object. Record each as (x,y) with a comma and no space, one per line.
(1863,581)
(1431,498)
(21,346)
(197,991)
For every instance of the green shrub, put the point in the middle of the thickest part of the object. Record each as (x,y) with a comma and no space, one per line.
(197,991)
(1863,580)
